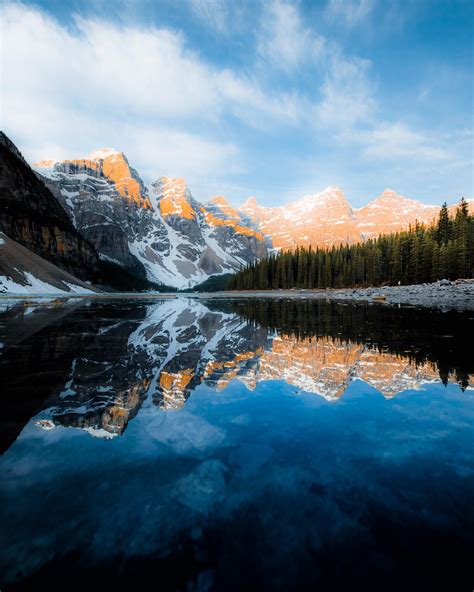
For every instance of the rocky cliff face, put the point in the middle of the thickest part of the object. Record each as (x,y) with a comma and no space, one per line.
(161,231)
(32,216)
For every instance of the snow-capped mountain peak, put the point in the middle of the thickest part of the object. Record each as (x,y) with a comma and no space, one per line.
(173,197)
(47,163)
(250,202)
(102,153)
(219,200)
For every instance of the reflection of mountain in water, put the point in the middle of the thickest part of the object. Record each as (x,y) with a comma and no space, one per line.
(419,335)
(95,366)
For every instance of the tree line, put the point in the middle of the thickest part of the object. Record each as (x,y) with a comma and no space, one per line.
(423,253)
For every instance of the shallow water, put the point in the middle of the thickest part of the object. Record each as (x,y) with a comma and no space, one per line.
(268,445)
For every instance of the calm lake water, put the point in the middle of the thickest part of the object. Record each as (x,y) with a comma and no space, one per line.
(253,445)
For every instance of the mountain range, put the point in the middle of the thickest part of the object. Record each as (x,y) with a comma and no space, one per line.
(327,219)
(159,232)
(95,218)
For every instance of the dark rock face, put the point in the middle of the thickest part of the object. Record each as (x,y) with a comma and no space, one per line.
(107,218)
(20,266)
(32,216)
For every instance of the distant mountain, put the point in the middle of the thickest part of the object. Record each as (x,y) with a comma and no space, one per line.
(391,212)
(327,219)
(32,216)
(160,232)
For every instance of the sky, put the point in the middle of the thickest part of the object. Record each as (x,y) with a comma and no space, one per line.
(273,98)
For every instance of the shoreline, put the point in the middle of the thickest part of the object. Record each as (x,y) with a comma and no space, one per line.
(445,295)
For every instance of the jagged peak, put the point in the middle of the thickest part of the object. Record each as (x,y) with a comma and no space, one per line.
(102,153)
(389,195)
(329,194)
(95,155)
(170,181)
(47,163)
(250,202)
(332,189)
(219,200)
(174,197)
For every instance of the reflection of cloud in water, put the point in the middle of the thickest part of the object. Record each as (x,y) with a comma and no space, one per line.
(291,480)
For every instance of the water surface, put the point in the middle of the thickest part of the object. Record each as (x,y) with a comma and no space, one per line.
(268,445)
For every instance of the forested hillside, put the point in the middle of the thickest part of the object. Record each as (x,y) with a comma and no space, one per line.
(420,254)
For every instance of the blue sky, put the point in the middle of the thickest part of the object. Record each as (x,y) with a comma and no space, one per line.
(276,99)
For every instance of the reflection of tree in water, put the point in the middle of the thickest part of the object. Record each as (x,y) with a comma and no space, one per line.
(420,335)
(93,366)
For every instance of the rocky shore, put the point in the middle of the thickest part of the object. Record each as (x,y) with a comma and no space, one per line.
(444,295)
(458,295)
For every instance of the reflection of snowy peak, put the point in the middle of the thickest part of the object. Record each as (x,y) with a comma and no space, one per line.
(326,367)
(187,343)
(160,232)
(171,347)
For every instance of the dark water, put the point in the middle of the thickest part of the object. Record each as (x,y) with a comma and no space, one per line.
(254,445)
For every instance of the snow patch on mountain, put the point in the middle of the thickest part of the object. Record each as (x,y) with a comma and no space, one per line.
(33,285)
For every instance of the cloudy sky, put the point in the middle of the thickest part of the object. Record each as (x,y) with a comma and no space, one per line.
(276,99)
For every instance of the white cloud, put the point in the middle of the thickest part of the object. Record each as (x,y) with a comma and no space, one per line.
(61,88)
(396,141)
(349,12)
(179,154)
(344,93)
(283,39)
(143,90)
(214,13)
(347,96)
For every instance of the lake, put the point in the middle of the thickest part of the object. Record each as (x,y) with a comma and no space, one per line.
(236,445)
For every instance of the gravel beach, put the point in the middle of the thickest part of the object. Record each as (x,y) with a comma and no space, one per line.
(458,295)
(445,295)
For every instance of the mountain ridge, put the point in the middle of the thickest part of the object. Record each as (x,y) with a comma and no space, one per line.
(162,232)
(159,232)
(338,222)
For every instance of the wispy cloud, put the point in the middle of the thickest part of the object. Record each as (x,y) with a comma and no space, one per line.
(397,141)
(62,88)
(283,39)
(214,13)
(294,92)
(347,94)
(350,12)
